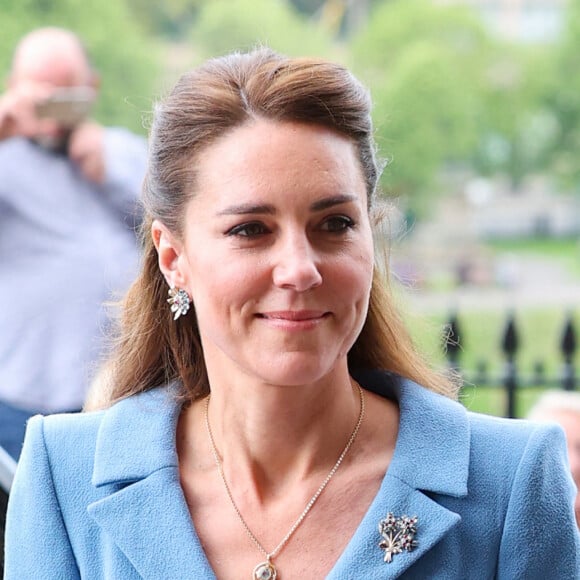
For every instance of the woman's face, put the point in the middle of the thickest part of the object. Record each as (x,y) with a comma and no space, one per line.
(277,252)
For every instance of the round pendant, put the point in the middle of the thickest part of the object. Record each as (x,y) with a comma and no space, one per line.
(265,571)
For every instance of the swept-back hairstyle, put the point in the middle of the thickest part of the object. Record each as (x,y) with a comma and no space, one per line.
(205,104)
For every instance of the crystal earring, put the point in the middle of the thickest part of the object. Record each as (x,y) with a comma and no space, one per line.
(180,302)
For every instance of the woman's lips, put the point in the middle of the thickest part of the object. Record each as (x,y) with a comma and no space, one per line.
(295,319)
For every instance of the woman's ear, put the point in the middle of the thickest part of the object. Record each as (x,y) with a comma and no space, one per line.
(169,251)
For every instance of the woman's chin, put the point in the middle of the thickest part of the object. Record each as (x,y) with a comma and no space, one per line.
(296,369)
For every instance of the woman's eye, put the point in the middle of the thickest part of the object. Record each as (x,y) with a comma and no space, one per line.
(338,224)
(248,230)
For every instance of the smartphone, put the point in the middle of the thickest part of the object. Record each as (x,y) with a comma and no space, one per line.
(67,106)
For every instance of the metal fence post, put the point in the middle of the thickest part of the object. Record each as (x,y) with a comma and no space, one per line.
(511,378)
(568,346)
(510,345)
(452,342)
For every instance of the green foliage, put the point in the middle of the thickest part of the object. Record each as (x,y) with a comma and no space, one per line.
(446,94)
(562,98)
(394,25)
(226,25)
(518,130)
(308,6)
(126,60)
(170,19)
(425,65)
(422,119)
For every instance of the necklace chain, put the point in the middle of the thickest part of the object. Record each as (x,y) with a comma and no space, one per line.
(312,501)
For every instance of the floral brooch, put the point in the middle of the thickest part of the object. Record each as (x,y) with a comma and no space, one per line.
(398,534)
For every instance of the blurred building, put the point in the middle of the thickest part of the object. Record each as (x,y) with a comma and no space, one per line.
(531,21)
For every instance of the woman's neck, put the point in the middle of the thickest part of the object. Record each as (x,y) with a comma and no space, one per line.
(272,436)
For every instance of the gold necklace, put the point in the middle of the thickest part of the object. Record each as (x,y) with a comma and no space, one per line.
(266,570)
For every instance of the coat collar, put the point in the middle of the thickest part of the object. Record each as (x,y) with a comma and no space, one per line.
(431,457)
(135,453)
(136,456)
(137,437)
(433,431)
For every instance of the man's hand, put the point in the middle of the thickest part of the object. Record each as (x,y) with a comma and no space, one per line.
(18,118)
(18,112)
(86,149)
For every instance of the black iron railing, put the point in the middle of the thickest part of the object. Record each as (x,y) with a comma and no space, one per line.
(510,379)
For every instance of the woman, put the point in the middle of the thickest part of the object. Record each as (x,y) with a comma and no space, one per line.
(268,422)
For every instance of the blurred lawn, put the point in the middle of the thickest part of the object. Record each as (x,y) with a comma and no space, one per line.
(565,251)
(540,334)
(493,400)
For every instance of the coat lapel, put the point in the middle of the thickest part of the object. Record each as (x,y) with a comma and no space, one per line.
(365,558)
(149,522)
(145,513)
(431,458)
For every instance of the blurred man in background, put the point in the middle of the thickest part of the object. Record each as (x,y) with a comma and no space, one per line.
(563,407)
(69,193)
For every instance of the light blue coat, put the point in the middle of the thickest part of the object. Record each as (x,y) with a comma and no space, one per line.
(97,496)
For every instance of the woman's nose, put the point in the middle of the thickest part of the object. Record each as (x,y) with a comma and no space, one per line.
(296,266)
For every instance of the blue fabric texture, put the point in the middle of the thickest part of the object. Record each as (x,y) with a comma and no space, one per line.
(97,495)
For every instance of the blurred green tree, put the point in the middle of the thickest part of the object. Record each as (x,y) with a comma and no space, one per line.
(225,25)
(519,129)
(309,7)
(339,17)
(425,64)
(127,60)
(562,99)
(170,19)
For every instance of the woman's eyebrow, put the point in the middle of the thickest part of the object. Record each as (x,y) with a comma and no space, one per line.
(248,208)
(332,201)
(251,208)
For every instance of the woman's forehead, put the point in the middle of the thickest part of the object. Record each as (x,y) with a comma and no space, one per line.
(275,150)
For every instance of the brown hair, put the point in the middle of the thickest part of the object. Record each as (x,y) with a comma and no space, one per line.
(206,103)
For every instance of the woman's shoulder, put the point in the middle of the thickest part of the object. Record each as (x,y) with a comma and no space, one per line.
(515,433)
(435,407)
(500,440)
(72,434)
(429,417)
(76,420)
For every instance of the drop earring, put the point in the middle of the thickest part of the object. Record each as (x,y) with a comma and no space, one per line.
(180,302)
